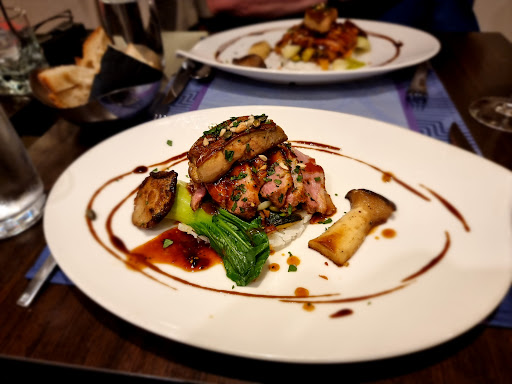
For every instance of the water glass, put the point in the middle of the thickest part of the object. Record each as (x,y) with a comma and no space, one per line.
(20,52)
(22,194)
(134,25)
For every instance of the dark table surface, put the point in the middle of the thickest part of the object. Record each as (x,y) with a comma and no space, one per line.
(64,335)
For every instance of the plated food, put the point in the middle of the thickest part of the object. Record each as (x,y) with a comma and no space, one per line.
(407,274)
(319,40)
(392,47)
(254,183)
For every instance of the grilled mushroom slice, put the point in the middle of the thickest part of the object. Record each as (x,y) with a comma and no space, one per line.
(154,198)
(343,238)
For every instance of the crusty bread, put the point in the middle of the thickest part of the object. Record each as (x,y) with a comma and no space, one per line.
(93,49)
(72,97)
(63,77)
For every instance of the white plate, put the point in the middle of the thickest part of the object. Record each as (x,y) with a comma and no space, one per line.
(417,46)
(445,301)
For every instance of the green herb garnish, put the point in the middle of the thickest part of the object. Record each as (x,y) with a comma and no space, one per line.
(167,243)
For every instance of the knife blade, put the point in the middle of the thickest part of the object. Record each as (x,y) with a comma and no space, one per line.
(458,139)
(178,84)
(37,282)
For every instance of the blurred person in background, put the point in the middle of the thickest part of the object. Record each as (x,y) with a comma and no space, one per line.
(429,15)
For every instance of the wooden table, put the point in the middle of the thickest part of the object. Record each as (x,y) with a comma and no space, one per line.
(65,335)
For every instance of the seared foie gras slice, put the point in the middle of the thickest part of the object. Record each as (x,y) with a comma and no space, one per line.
(154,198)
(237,191)
(231,141)
(313,177)
(297,194)
(278,180)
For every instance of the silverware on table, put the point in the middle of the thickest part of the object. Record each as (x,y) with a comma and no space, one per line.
(458,139)
(417,93)
(37,282)
(189,70)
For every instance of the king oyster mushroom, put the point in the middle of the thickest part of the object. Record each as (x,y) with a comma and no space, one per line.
(343,238)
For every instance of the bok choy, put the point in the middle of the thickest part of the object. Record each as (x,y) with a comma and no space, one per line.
(243,246)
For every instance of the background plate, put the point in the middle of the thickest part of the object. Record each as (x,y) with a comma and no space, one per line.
(450,298)
(417,46)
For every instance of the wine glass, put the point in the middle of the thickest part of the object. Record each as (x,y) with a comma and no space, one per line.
(493,111)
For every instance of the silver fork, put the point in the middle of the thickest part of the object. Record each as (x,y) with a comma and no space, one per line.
(417,93)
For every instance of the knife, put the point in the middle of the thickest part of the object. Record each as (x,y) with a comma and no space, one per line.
(458,139)
(177,86)
(37,282)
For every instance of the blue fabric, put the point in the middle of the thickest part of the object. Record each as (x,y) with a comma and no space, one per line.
(434,15)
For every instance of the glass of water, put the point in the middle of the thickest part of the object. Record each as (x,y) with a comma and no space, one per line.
(22,194)
(20,52)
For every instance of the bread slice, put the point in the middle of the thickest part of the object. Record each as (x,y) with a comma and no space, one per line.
(93,49)
(63,77)
(71,98)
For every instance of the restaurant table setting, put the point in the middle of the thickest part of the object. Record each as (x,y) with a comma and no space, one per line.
(360,126)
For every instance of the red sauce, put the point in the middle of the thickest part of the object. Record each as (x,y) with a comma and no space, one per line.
(388,233)
(301,292)
(274,267)
(342,313)
(185,252)
(293,260)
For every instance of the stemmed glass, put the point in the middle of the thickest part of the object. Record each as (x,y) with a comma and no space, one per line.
(493,111)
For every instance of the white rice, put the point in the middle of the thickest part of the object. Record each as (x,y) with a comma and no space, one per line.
(278,239)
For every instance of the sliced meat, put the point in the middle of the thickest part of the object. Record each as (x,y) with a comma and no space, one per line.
(238,190)
(317,198)
(278,180)
(234,140)
(297,194)
(154,198)
(197,192)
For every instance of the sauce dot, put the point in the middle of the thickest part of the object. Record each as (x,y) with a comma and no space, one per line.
(387,177)
(274,267)
(388,233)
(324,277)
(293,260)
(308,307)
(342,313)
(301,292)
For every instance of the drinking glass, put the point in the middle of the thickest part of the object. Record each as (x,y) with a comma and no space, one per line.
(493,111)
(20,52)
(22,194)
(133,24)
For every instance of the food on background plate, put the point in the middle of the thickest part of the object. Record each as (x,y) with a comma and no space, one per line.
(260,188)
(343,238)
(319,40)
(324,41)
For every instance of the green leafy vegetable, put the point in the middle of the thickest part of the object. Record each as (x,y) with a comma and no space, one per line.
(243,246)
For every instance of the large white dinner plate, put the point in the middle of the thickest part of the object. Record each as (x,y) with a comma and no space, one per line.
(471,276)
(416,47)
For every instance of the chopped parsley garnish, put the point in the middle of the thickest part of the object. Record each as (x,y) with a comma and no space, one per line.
(326,221)
(254,170)
(278,182)
(167,243)
(280,198)
(229,155)
(233,208)
(154,170)
(317,179)
(299,178)
(267,179)
(248,148)
(292,268)
(240,176)
(169,143)
(289,209)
